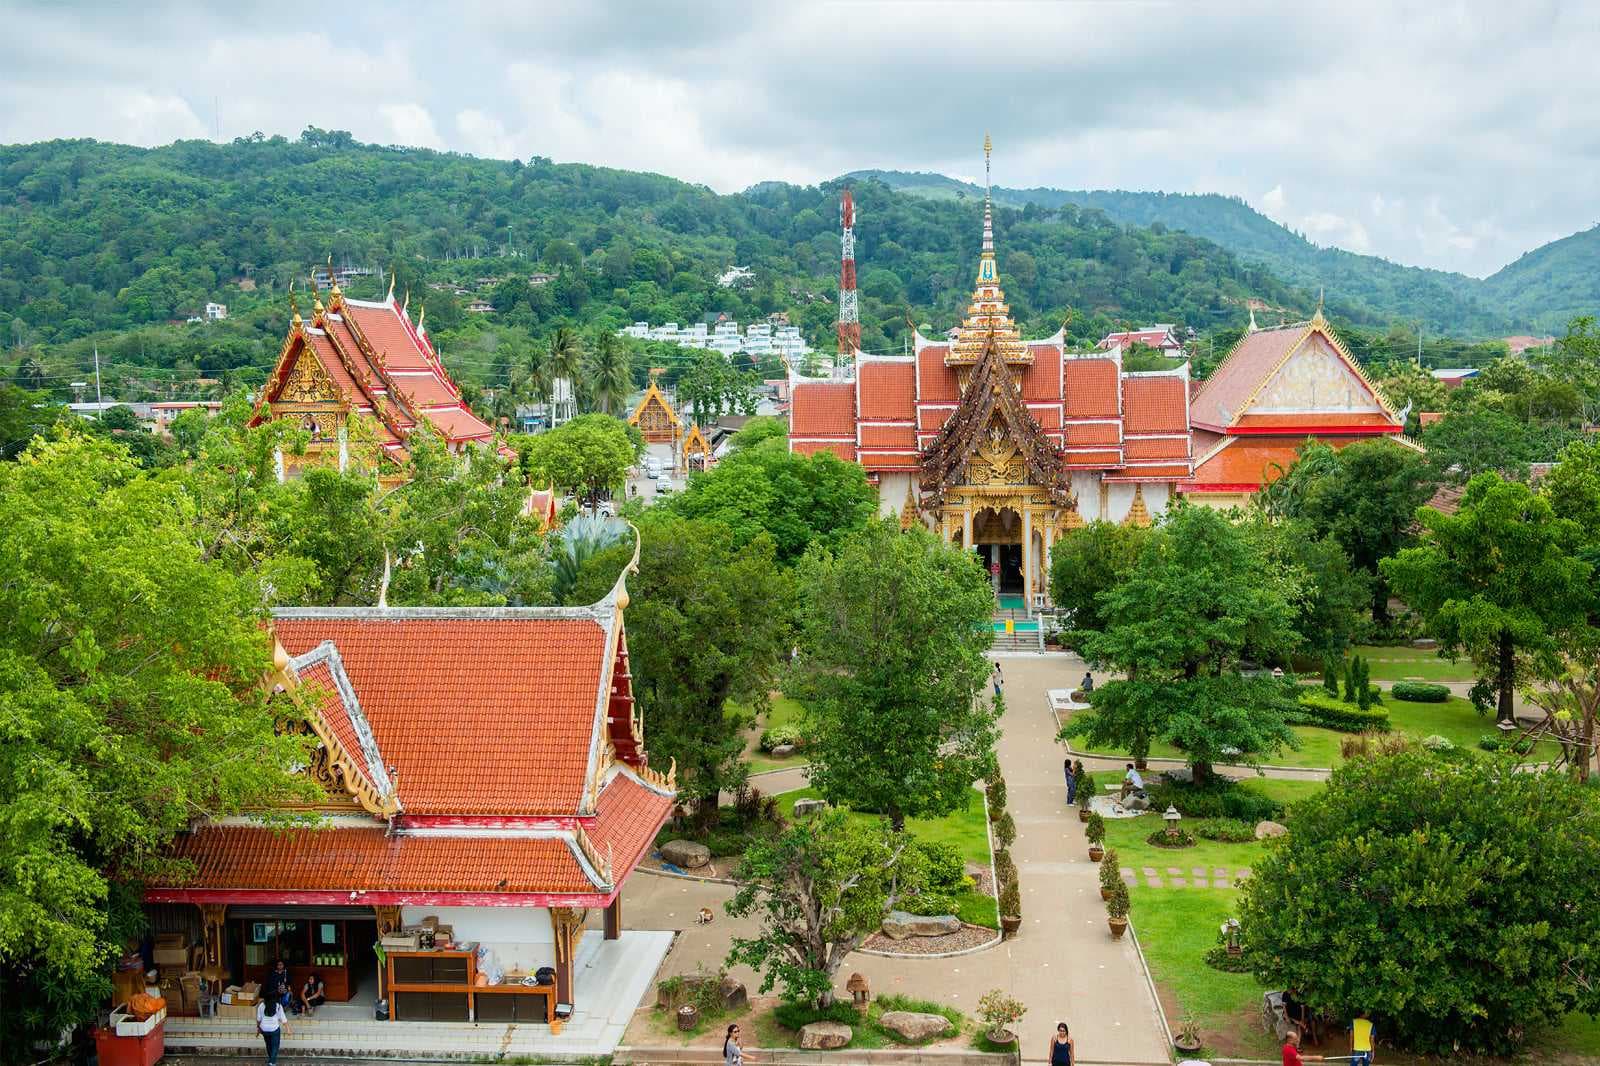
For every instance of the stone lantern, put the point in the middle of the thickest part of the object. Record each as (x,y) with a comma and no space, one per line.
(1171,817)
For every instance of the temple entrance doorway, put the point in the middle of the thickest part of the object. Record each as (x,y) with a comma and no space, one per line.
(997,537)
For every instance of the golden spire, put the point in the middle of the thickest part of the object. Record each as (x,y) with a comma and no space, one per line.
(1253,326)
(908,511)
(988,319)
(295,321)
(1138,514)
(390,298)
(422,312)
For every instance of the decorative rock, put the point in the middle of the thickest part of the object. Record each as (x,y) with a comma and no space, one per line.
(1179,775)
(900,925)
(1136,803)
(914,1026)
(1270,829)
(824,1036)
(734,995)
(809,806)
(782,751)
(685,853)
(1425,644)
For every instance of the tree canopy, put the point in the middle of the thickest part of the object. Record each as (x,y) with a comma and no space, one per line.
(587,457)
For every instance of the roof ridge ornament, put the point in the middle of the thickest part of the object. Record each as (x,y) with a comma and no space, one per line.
(1253,327)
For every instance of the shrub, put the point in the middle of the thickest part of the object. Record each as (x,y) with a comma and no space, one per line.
(1004,868)
(1419,692)
(1087,789)
(1110,869)
(1317,709)
(946,871)
(995,789)
(1330,675)
(1227,830)
(1184,839)
(1095,829)
(999,1010)
(929,903)
(783,734)
(1119,904)
(1434,742)
(1011,900)
(1358,879)
(797,1015)
(1366,745)
(1005,830)
(703,989)
(1218,798)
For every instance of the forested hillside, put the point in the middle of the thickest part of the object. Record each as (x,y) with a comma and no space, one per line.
(1540,292)
(114,247)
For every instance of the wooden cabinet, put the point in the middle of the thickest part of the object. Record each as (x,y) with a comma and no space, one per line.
(306,945)
(442,986)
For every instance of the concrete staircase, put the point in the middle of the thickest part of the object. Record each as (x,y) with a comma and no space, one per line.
(1018,641)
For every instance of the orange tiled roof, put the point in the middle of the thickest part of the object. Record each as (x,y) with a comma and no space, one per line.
(336,704)
(936,382)
(1150,472)
(888,390)
(1091,387)
(1242,371)
(892,437)
(1354,418)
(1154,404)
(823,409)
(1079,433)
(480,712)
(628,816)
(1041,380)
(1248,461)
(844,449)
(1156,448)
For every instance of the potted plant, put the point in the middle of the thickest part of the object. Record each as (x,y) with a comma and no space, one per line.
(1005,830)
(1117,911)
(1094,828)
(1010,908)
(1086,792)
(1110,873)
(1187,1038)
(995,792)
(999,1011)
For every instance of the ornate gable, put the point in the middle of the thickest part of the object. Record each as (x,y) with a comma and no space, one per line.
(654,416)
(1314,379)
(991,439)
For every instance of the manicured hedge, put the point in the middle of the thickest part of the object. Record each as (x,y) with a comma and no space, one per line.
(1419,692)
(1319,709)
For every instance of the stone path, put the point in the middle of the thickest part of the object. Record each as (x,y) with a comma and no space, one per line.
(1187,877)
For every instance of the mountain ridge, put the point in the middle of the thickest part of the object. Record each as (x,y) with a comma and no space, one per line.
(1543,289)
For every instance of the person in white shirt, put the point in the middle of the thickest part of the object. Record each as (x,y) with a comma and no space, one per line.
(271,1022)
(1131,782)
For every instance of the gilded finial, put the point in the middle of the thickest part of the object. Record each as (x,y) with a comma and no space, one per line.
(1253,326)
(422,312)
(295,320)
(316,307)
(988,145)
(390,298)
(405,308)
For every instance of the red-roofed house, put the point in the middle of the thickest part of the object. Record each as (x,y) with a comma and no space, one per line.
(365,358)
(1159,337)
(1277,389)
(1000,443)
(484,771)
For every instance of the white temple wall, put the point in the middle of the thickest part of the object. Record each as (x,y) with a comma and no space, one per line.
(521,937)
(892,493)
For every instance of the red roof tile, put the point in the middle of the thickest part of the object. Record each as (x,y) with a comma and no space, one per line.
(1296,420)
(457,424)
(330,706)
(937,383)
(1248,461)
(389,335)
(1046,417)
(903,437)
(1094,457)
(1242,372)
(888,390)
(1157,404)
(844,449)
(1091,386)
(479,715)
(1135,448)
(629,815)
(1168,472)
(1042,378)
(823,409)
(250,857)
(1094,433)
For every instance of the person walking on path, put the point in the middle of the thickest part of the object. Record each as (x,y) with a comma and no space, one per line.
(270,1023)
(1061,1048)
(732,1052)
(1361,1040)
(999,680)
(1072,780)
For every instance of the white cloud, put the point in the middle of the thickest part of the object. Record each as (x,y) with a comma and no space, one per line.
(1272,203)
(411,124)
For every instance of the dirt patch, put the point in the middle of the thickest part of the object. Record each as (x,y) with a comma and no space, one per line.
(970,936)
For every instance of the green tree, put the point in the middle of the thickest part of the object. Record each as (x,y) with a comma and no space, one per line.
(1177,626)
(1465,444)
(1332,597)
(894,630)
(798,500)
(23,416)
(1452,899)
(709,387)
(130,670)
(708,622)
(1498,580)
(1364,496)
(566,358)
(587,457)
(1087,561)
(817,891)
(760,430)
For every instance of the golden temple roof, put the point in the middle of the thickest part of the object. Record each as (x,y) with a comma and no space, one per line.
(988,313)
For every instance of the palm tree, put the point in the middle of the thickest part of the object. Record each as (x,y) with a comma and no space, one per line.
(610,373)
(566,358)
(530,379)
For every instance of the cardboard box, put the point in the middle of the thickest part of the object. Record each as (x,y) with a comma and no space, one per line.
(171,949)
(237,1010)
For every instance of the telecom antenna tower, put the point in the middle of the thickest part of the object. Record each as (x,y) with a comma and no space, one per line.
(849,317)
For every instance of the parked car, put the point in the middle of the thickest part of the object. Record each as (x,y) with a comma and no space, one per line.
(652,468)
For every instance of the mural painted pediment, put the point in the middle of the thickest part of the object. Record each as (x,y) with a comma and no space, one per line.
(1315,379)
(308,382)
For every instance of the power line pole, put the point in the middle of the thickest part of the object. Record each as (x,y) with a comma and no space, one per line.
(97,375)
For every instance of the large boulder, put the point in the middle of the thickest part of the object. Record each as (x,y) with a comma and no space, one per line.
(902,926)
(825,1036)
(1179,775)
(1270,829)
(734,995)
(685,853)
(782,751)
(803,807)
(915,1026)
(1136,802)
(733,992)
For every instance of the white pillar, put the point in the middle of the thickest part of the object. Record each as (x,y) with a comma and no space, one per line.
(1027,561)
(966,527)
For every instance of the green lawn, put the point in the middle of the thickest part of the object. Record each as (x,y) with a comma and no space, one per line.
(966,829)
(1128,835)
(1405,663)
(783,711)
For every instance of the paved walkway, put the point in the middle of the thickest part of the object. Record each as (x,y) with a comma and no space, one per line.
(1064,964)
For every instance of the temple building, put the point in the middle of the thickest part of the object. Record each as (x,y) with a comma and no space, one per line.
(1000,443)
(1275,390)
(487,794)
(362,357)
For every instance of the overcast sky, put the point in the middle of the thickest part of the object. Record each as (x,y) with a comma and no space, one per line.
(1451,136)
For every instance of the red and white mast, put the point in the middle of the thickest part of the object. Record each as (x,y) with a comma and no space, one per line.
(849,317)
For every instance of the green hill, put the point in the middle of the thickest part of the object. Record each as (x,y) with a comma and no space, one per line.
(111,246)
(1541,291)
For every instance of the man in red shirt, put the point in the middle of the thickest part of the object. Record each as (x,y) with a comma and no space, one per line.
(1291,1050)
